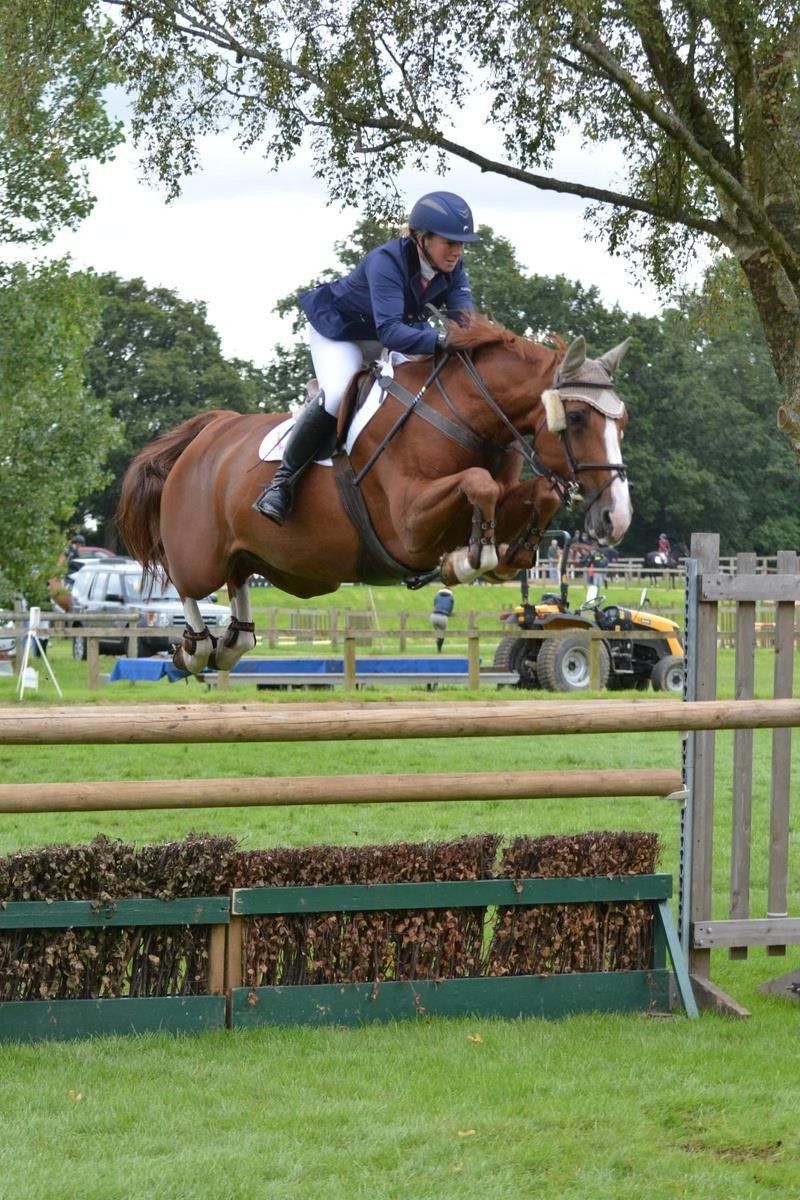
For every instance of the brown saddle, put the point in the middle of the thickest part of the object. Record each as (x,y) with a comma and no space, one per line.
(358,389)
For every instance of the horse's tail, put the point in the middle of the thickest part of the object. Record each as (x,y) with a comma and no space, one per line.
(138,515)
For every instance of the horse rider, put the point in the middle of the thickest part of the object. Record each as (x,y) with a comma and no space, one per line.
(380,304)
(663,547)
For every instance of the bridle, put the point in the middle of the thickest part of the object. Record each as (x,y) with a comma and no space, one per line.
(616,470)
(567,488)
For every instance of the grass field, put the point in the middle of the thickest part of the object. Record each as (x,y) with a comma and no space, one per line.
(615,1108)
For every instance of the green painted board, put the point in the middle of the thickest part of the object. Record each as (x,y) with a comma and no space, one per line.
(508,998)
(84,914)
(62,1020)
(466,894)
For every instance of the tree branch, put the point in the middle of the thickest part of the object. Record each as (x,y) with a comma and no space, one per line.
(598,53)
(546,183)
(678,83)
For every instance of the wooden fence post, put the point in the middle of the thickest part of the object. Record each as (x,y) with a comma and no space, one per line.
(473,652)
(701,628)
(742,800)
(93,663)
(594,663)
(778,882)
(349,660)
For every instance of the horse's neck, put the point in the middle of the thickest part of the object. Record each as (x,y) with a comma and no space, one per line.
(517,383)
(514,383)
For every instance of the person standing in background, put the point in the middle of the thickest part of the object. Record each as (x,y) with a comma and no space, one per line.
(552,561)
(443,604)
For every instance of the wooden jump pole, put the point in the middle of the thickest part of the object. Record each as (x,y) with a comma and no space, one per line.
(288,723)
(128,794)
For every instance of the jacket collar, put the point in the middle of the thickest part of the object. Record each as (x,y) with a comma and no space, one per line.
(437,285)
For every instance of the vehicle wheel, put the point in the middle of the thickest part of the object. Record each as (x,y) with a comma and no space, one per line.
(79,648)
(525,662)
(669,674)
(518,654)
(564,664)
(503,654)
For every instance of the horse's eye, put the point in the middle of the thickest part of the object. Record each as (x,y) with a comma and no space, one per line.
(576,419)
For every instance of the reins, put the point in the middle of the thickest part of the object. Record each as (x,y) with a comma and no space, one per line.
(468,436)
(564,487)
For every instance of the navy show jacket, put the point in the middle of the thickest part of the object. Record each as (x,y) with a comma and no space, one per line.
(383,300)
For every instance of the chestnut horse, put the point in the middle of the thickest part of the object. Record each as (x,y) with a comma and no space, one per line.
(439,470)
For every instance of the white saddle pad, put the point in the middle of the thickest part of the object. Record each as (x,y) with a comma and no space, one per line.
(271,448)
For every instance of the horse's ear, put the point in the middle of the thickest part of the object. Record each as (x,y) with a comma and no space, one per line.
(554,411)
(574,359)
(612,358)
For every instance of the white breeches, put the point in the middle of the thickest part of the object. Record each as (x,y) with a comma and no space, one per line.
(335,364)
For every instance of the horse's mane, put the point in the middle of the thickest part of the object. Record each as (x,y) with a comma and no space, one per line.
(473,330)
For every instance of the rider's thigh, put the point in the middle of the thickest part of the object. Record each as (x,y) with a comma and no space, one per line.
(335,364)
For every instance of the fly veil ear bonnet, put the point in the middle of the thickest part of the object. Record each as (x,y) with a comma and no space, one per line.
(590,380)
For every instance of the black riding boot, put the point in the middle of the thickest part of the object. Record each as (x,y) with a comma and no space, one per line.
(313,431)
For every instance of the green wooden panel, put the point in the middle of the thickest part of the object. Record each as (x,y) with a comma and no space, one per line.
(508,998)
(83,914)
(63,1020)
(466,894)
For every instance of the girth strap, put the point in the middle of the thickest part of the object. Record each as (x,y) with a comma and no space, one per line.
(438,420)
(375,564)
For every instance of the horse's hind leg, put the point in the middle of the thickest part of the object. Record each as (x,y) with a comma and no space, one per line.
(195,649)
(240,635)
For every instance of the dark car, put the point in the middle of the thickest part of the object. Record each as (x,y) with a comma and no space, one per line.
(115,586)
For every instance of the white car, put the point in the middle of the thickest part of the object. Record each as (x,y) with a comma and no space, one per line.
(115,586)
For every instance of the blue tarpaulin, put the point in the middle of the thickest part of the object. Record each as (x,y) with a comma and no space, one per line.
(147,669)
(134,669)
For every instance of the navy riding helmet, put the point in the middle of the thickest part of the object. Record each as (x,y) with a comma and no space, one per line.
(445,214)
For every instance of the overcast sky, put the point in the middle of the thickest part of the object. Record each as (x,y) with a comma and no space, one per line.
(241,237)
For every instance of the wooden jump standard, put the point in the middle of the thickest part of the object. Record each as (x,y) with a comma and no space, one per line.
(83,725)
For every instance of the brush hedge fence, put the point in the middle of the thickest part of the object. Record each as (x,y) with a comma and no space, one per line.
(206,934)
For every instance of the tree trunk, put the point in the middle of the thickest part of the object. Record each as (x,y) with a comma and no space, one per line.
(779,309)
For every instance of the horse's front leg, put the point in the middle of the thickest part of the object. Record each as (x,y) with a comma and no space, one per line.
(425,514)
(523,515)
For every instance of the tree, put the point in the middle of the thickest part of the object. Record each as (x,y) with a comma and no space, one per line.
(156,361)
(54,435)
(701,100)
(52,75)
(702,452)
